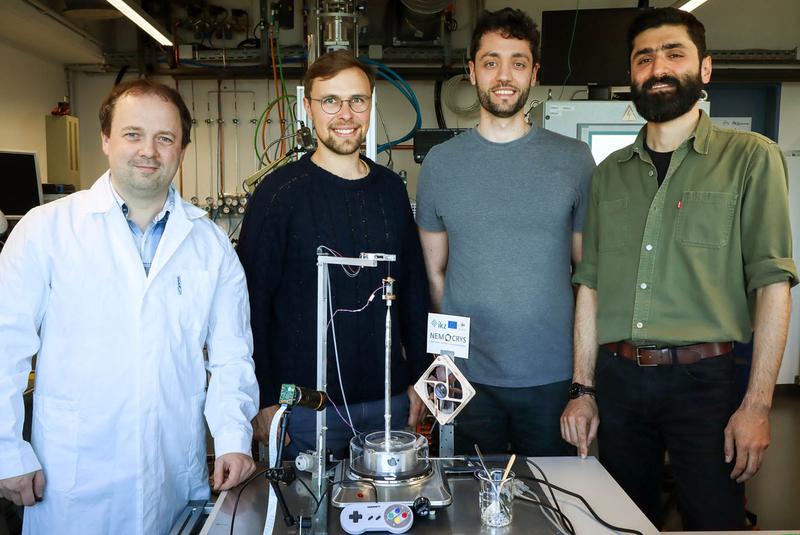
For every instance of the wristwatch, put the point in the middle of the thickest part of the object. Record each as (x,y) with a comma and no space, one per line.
(577,390)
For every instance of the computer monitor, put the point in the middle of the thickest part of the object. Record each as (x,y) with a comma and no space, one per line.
(20,183)
(586,46)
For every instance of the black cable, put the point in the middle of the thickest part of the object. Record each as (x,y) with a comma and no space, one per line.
(252,478)
(437,104)
(544,476)
(585,503)
(569,50)
(390,163)
(566,523)
(233,231)
(241,490)
(249,43)
(300,480)
(120,74)
(259,23)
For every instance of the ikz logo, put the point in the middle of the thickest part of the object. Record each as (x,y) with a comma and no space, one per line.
(444,324)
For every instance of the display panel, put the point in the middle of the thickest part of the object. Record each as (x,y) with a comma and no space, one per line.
(586,46)
(20,183)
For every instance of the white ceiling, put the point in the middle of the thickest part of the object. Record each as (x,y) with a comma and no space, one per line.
(28,26)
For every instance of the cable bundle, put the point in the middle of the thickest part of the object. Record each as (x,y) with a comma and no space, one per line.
(401,85)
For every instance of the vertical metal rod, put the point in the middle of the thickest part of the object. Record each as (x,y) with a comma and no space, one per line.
(236,137)
(372,133)
(387,381)
(322,372)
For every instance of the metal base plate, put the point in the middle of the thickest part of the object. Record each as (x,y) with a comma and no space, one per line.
(358,489)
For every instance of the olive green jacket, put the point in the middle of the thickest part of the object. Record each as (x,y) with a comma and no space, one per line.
(679,264)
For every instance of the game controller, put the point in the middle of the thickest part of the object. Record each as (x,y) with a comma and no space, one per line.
(393,517)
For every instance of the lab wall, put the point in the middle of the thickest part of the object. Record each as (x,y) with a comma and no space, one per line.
(33,86)
(789,140)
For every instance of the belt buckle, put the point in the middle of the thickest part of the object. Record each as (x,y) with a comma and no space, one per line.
(639,356)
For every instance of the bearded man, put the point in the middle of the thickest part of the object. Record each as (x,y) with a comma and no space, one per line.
(687,249)
(500,210)
(336,199)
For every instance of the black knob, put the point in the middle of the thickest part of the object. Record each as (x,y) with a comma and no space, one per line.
(421,506)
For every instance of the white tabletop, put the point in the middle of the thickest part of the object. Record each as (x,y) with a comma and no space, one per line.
(589,479)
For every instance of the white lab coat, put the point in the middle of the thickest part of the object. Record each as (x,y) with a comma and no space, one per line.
(121,378)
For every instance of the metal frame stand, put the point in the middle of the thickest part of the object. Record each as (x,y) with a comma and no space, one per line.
(320,471)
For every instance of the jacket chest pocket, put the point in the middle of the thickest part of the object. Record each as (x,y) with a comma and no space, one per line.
(613,225)
(193,293)
(705,218)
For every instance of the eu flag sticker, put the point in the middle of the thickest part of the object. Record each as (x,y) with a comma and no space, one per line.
(452,325)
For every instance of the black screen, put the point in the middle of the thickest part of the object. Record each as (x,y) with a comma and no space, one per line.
(599,50)
(19,183)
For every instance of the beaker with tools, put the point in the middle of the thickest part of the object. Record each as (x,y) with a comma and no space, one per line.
(496,497)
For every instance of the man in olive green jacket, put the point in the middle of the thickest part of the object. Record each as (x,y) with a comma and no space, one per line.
(687,248)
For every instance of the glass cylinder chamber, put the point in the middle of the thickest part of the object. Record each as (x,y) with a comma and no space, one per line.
(404,457)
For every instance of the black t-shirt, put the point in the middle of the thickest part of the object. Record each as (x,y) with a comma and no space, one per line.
(661,161)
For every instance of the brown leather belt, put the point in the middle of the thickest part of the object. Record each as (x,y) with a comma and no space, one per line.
(655,356)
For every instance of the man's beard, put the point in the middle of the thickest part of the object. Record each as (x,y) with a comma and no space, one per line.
(343,147)
(665,106)
(502,110)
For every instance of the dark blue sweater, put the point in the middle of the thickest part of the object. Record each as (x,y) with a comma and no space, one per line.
(296,209)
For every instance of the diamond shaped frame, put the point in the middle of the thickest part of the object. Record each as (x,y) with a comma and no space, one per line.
(444,389)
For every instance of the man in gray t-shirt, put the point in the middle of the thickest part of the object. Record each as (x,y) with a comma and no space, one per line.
(500,210)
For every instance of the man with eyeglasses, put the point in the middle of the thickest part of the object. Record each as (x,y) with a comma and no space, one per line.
(339,200)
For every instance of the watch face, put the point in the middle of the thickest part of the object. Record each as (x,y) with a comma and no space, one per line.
(574,390)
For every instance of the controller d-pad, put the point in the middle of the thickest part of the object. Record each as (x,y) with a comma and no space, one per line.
(355,516)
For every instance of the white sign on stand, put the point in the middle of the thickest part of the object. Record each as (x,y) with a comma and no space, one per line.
(448,335)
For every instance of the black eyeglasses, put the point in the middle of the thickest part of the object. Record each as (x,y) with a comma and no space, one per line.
(332,104)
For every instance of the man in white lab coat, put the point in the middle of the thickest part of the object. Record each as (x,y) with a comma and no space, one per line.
(118,289)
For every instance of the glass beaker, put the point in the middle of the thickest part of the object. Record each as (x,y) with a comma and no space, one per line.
(496,497)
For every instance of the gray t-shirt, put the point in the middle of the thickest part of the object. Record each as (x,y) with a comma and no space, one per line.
(509,210)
